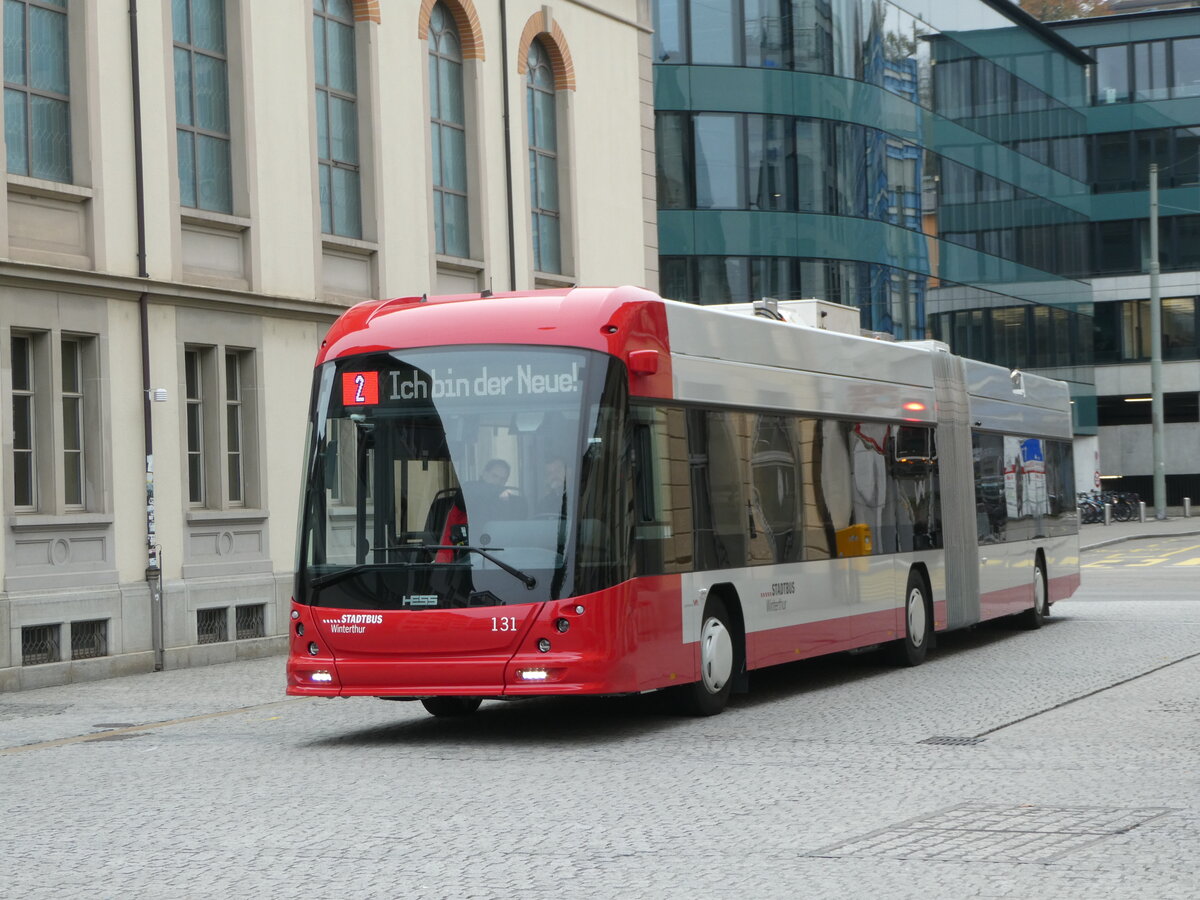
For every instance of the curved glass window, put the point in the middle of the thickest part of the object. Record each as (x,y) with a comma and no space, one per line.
(991,76)
(721,160)
(449,135)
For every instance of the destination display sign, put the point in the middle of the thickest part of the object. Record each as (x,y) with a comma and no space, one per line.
(495,376)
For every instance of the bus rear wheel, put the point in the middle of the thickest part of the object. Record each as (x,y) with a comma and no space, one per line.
(1034,617)
(451,706)
(918,624)
(720,662)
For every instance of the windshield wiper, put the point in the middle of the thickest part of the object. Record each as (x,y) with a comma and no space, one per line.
(329,578)
(528,580)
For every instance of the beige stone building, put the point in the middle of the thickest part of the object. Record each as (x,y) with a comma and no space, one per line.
(195,190)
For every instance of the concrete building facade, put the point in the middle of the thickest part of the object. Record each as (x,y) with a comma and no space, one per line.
(194,191)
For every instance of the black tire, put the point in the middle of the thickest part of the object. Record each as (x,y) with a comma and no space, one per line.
(911,649)
(1033,618)
(451,706)
(720,663)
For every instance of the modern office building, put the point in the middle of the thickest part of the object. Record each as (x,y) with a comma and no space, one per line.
(1145,110)
(194,191)
(922,161)
(932,164)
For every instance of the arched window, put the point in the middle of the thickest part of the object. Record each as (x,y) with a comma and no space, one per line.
(37,117)
(449,135)
(337,117)
(541,103)
(202,121)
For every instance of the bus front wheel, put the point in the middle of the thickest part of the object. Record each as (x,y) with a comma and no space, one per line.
(720,662)
(451,706)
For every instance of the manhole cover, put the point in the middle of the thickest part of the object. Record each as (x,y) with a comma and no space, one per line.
(978,832)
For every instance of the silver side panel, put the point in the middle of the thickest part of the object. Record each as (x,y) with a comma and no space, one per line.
(726,383)
(709,332)
(957,481)
(1042,408)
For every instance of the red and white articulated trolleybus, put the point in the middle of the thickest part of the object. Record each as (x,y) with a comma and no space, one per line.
(600,491)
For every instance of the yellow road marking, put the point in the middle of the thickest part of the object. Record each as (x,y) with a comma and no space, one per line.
(1181,550)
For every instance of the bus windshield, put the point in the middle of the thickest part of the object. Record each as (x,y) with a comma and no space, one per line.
(472,476)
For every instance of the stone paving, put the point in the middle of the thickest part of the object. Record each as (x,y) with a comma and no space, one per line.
(1065,767)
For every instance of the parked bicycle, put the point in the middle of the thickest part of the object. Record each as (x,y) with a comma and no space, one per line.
(1124,505)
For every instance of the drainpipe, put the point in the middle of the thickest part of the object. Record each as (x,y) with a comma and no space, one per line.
(508,160)
(153,563)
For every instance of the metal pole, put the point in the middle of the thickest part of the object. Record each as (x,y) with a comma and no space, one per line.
(1156,389)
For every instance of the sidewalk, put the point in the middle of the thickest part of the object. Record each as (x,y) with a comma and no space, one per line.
(1093,536)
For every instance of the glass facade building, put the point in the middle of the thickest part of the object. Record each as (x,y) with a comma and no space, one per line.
(1144,109)
(925,162)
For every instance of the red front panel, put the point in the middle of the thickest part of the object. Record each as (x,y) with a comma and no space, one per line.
(619,641)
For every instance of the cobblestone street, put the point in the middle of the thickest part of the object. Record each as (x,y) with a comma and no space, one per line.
(1055,763)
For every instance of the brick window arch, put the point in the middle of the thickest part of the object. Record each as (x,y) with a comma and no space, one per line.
(466,20)
(554,42)
(367,11)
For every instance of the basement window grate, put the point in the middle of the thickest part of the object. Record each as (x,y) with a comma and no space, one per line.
(89,639)
(251,621)
(40,644)
(212,625)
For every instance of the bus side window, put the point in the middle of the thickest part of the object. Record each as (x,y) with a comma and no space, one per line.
(663,525)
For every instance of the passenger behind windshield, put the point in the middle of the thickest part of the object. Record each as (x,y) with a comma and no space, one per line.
(553,498)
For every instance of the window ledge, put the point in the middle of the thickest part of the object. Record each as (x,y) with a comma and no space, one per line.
(555,280)
(348,245)
(57,190)
(41,521)
(207,516)
(210,219)
(460,263)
